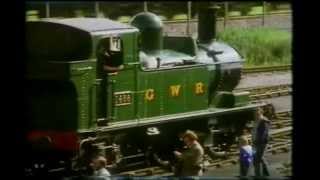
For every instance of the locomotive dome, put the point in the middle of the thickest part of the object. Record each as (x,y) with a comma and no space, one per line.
(146,20)
(150,26)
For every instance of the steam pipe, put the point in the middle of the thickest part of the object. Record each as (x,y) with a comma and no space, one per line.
(207,23)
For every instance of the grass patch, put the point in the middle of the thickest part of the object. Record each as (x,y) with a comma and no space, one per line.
(180,17)
(124,19)
(260,46)
(234,13)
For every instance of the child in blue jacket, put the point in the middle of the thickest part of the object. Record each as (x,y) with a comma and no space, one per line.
(246,155)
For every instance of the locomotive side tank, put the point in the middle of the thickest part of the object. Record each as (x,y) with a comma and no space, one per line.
(96,86)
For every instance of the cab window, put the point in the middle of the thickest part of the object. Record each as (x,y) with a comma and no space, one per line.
(110,53)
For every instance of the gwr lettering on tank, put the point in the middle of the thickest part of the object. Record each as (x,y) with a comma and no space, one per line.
(175,91)
(124,98)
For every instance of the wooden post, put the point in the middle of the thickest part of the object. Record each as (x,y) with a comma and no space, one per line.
(189,17)
(263,12)
(47,10)
(145,6)
(226,12)
(96,8)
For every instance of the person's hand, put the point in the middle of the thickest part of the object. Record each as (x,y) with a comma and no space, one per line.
(254,150)
(177,153)
(112,68)
(106,53)
(254,143)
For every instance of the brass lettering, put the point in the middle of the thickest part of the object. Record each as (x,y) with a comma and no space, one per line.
(149,95)
(175,90)
(199,88)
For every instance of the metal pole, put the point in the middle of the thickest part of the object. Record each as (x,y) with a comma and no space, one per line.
(263,12)
(47,10)
(145,6)
(226,12)
(189,17)
(96,8)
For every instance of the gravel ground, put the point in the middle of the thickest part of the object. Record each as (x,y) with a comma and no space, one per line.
(275,162)
(282,103)
(265,79)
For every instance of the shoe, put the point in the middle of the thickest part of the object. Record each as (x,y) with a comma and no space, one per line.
(164,163)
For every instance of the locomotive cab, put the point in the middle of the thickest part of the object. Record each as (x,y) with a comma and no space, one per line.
(66,89)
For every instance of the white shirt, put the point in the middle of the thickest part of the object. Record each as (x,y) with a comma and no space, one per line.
(248,149)
(103,172)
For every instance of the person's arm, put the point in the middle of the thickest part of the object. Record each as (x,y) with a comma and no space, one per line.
(177,154)
(265,134)
(192,156)
(261,131)
(111,68)
(244,155)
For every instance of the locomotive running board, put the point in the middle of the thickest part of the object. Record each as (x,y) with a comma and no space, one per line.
(173,118)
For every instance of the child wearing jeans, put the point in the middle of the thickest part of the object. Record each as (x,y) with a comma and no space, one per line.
(246,155)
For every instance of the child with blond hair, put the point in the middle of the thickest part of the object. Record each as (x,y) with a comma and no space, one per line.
(246,155)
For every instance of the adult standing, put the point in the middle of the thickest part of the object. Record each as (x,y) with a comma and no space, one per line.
(191,159)
(260,139)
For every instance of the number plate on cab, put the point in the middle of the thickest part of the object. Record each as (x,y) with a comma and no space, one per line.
(122,98)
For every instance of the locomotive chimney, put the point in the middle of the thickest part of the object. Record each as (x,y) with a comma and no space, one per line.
(207,23)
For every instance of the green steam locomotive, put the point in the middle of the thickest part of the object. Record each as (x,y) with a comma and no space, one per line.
(127,92)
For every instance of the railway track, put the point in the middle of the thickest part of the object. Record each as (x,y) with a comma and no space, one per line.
(266,69)
(280,141)
(265,92)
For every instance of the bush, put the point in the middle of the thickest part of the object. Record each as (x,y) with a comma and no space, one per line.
(260,46)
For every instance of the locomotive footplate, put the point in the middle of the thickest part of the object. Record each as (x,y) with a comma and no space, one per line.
(176,117)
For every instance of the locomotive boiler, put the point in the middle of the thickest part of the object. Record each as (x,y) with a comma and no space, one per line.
(96,86)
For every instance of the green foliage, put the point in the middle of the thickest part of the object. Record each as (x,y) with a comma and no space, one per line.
(180,17)
(234,13)
(260,46)
(124,19)
(32,15)
(256,10)
(163,18)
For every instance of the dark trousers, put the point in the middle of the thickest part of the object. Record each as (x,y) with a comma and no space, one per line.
(244,168)
(259,160)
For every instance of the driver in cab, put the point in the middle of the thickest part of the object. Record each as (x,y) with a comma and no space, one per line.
(112,56)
